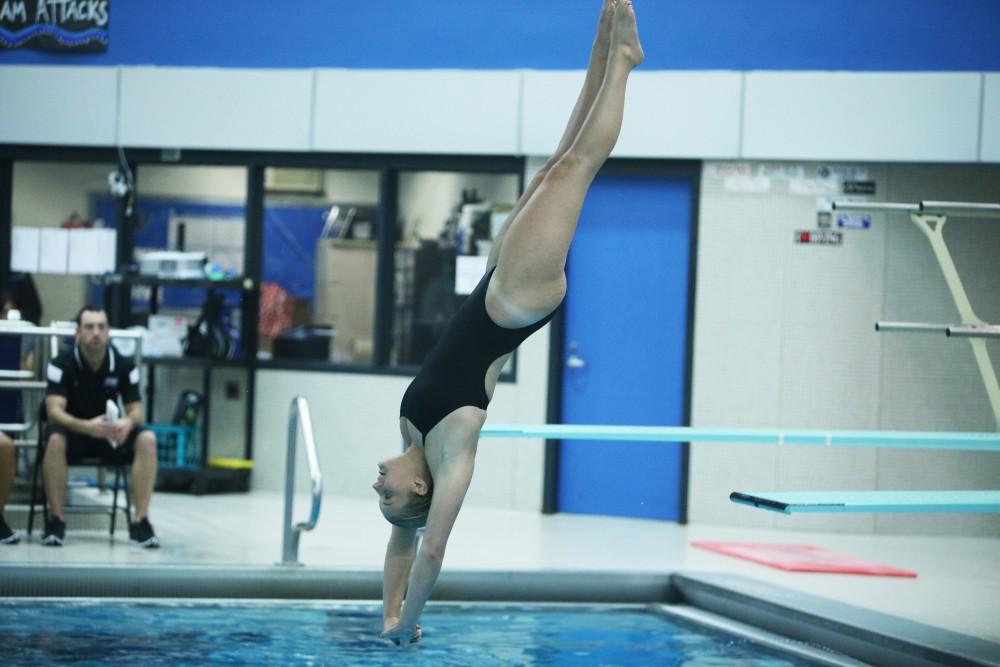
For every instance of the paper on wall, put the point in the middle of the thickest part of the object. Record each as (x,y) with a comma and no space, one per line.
(25,243)
(91,251)
(747,184)
(469,271)
(814,186)
(53,255)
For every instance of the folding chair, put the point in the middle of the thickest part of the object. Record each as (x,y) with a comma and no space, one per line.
(38,488)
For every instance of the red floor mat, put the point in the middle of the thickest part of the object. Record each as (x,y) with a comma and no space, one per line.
(802,558)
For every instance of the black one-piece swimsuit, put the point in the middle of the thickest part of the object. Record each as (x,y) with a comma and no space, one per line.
(454,373)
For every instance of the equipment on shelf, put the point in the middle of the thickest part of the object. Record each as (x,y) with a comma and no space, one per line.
(173,264)
(209,336)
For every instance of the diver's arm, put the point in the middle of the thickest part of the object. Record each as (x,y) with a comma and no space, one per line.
(398,558)
(450,484)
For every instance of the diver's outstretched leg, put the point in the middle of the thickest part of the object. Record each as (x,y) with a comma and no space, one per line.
(591,84)
(530,281)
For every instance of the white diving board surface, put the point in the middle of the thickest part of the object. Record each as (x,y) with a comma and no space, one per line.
(973,441)
(795,502)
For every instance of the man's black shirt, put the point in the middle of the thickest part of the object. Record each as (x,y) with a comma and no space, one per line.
(87,391)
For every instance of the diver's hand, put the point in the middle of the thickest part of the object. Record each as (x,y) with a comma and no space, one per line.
(397,633)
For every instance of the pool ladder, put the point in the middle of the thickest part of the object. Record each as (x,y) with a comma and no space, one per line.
(299,412)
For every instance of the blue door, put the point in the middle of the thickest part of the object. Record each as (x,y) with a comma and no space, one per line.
(625,347)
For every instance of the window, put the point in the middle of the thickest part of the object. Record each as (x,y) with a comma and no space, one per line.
(447,222)
(192,209)
(325,238)
(50,202)
(319,265)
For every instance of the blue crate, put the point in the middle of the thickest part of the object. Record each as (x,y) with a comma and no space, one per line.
(177,446)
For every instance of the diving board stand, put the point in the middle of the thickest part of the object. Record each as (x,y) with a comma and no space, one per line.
(930,218)
(956,330)
(801,502)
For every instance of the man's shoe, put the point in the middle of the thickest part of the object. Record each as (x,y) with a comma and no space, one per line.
(141,533)
(55,532)
(7,536)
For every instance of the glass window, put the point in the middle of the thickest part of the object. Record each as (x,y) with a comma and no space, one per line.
(319,265)
(50,202)
(190,209)
(193,209)
(447,223)
(197,214)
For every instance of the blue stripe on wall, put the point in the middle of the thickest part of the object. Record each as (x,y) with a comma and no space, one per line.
(890,35)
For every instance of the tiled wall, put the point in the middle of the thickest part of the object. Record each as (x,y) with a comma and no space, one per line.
(784,336)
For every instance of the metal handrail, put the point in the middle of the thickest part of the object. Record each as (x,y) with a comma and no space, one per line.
(299,411)
(974,331)
(35,385)
(956,208)
(18,328)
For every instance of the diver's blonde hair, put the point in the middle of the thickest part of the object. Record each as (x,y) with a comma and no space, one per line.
(414,513)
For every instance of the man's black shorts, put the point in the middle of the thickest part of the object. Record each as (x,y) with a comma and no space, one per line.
(79,447)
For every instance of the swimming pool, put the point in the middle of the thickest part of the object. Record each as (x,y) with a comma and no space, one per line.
(783,619)
(111,632)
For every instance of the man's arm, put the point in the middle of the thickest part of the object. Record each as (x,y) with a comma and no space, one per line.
(55,406)
(398,558)
(134,412)
(450,486)
(128,383)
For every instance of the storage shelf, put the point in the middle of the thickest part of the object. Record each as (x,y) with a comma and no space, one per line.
(203,362)
(155,281)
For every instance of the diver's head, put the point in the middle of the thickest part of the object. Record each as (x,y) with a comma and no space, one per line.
(404,486)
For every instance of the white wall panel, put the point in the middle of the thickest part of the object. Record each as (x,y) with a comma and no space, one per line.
(215,108)
(70,106)
(413,111)
(931,117)
(989,149)
(681,114)
(548,99)
(782,115)
(667,114)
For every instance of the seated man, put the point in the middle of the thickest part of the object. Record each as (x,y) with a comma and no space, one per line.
(80,382)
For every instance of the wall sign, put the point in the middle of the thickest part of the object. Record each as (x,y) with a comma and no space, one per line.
(55,25)
(859,187)
(854,220)
(819,237)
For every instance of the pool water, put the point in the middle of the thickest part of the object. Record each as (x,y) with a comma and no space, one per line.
(250,633)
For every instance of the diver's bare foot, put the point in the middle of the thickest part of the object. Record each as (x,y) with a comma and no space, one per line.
(625,33)
(603,38)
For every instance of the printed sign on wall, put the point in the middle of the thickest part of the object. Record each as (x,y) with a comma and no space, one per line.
(55,25)
(819,237)
(854,220)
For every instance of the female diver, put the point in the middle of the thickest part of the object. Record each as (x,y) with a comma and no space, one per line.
(444,407)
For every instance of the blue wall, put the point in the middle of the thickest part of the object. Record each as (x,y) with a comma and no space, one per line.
(945,35)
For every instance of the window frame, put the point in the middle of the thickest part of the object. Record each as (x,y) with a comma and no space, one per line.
(387,165)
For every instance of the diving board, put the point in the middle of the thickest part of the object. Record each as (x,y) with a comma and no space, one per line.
(796,502)
(970,441)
